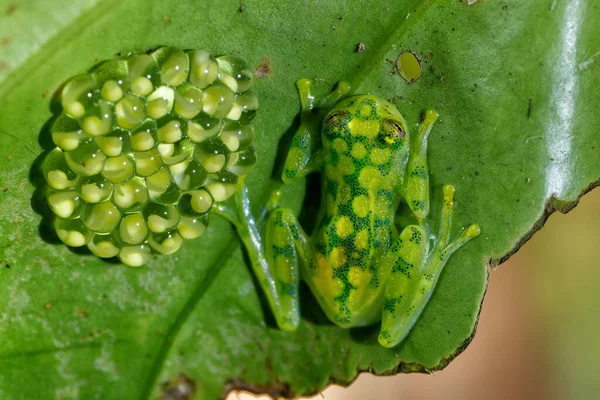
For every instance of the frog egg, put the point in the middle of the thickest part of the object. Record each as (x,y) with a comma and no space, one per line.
(161,218)
(161,188)
(201,201)
(195,203)
(217,100)
(111,91)
(135,256)
(193,177)
(166,243)
(144,137)
(87,159)
(133,229)
(170,132)
(212,155)
(188,101)
(66,133)
(141,86)
(131,111)
(248,103)
(57,172)
(203,128)
(131,195)
(222,186)
(244,162)
(174,65)
(171,154)
(101,217)
(118,169)
(95,189)
(192,227)
(235,73)
(98,121)
(103,246)
(114,76)
(237,136)
(65,204)
(115,143)
(203,70)
(143,65)
(160,102)
(72,232)
(147,162)
(78,94)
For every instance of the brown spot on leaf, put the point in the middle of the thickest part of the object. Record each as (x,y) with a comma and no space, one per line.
(10,10)
(181,388)
(82,313)
(5,41)
(264,69)
(360,48)
(48,306)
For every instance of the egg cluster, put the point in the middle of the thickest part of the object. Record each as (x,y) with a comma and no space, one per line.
(145,145)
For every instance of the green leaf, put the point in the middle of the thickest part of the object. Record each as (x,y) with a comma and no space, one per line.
(515,84)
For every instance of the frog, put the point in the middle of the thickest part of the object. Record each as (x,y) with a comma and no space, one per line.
(360,265)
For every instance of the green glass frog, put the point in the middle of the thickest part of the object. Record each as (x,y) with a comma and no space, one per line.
(359,265)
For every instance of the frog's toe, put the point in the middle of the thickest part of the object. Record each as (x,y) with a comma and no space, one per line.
(386,340)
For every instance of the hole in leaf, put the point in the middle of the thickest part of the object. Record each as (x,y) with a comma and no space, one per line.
(409,66)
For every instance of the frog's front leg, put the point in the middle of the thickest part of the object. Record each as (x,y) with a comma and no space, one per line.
(306,154)
(414,270)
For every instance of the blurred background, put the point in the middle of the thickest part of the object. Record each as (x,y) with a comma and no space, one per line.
(539,330)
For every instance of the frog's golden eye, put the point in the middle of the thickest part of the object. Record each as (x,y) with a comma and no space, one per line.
(391,133)
(335,117)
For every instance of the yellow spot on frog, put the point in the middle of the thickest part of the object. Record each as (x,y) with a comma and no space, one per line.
(360,205)
(344,227)
(358,150)
(361,240)
(369,178)
(380,156)
(340,145)
(370,128)
(357,277)
(280,237)
(345,194)
(365,110)
(345,165)
(338,257)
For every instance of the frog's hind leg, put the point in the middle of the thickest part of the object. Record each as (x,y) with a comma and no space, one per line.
(416,271)
(286,245)
(402,266)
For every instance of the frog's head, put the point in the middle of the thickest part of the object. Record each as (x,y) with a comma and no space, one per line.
(371,128)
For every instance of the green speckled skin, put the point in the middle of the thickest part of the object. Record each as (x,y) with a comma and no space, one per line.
(360,267)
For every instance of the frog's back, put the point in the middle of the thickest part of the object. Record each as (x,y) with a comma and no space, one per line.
(365,144)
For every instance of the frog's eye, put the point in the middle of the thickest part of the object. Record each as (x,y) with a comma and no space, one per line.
(335,118)
(391,133)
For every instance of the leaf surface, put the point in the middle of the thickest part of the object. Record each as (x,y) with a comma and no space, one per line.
(515,84)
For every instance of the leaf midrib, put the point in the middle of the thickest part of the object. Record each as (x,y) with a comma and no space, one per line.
(202,287)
